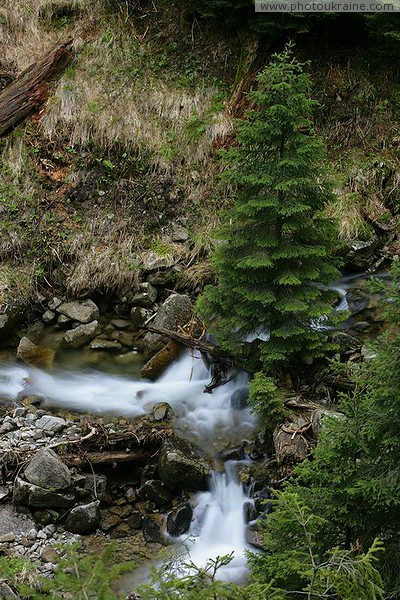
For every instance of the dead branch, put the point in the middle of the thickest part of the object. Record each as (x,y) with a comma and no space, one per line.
(30,90)
(189,341)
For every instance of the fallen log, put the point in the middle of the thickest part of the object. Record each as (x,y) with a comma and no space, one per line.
(108,457)
(221,364)
(30,90)
(189,341)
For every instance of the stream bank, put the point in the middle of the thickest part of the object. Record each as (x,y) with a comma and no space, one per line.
(124,473)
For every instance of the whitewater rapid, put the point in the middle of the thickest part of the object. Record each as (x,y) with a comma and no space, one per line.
(218,526)
(200,415)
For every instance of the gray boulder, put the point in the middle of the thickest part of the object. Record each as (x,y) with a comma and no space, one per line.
(179,233)
(33,495)
(47,471)
(81,335)
(48,316)
(360,255)
(6,592)
(181,467)
(83,311)
(51,423)
(146,297)
(152,261)
(84,518)
(99,344)
(176,311)
(155,491)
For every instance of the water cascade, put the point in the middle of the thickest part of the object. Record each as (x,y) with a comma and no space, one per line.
(218,526)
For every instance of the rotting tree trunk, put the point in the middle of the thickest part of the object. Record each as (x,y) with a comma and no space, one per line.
(30,90)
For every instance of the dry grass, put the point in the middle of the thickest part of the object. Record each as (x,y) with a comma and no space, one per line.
(347,211)
(196,277)
(27,32)
(114,96)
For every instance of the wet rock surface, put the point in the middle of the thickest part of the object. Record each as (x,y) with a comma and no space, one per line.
(182,467)
(36,356)
(178,520)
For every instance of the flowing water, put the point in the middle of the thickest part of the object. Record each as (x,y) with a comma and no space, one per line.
(218,526)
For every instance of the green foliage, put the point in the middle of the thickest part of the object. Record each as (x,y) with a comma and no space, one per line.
(276,245)
(20,574)
(83,577)
(178,579)
(266,401)
(295,566)
(352,478)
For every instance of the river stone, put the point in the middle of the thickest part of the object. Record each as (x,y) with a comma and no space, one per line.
(84,519)
(162,411)
(139,316)
(152,531)
(83,311)
(357,300)
(48,316)
(47,471)
(6,592)
(240,397)
(51,423)
(99,344)
(180,466)
(63,321)
(178,520)
(155,491)
(54,303)
(120,323)
(81,335)
(36,496)
(360,255)
(146,297)
(35,356)
(176,311)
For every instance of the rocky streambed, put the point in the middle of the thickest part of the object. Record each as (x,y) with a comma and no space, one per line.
(91,452)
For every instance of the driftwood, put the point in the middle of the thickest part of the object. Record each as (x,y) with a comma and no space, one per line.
(30,90)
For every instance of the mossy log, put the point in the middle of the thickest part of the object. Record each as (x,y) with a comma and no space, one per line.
(30,90)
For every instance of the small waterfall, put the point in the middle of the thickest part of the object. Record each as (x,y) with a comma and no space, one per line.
(218,527)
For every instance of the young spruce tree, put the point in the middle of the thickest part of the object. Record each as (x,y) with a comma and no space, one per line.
(276,255)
